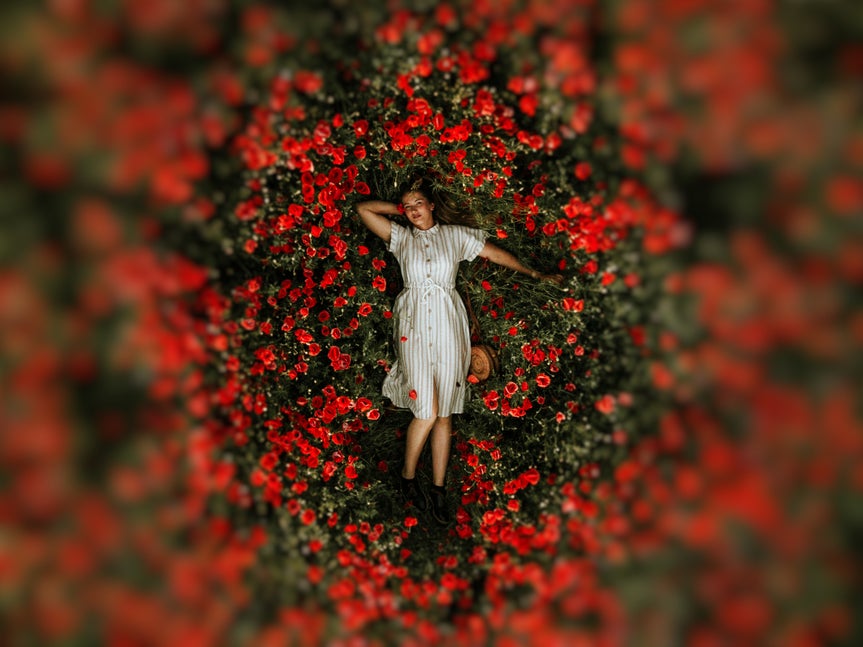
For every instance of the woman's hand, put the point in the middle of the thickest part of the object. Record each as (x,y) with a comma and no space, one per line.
(557,279)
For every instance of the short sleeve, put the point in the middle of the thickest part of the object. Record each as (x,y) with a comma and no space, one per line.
(397,236)
(471,242)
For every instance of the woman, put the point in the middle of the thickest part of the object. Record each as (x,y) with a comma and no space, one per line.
(432,335)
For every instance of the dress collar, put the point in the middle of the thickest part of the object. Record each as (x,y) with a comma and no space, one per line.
(435,228)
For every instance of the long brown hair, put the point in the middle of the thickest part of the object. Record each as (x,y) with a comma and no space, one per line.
(448,210)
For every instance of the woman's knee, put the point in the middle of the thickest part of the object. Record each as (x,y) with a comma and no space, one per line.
(426,423)
(444,423)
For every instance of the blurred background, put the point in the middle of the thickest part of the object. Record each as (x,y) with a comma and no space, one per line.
(747,120)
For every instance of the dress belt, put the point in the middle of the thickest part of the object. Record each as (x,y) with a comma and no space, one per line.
(428,286)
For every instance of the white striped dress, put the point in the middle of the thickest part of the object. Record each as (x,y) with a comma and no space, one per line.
(432,336)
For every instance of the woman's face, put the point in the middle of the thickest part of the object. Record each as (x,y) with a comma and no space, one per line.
(418,210)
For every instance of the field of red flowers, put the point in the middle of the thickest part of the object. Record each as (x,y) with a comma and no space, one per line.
(195,328)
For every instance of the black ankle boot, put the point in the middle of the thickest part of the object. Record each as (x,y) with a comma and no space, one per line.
(411,493)
(440,511)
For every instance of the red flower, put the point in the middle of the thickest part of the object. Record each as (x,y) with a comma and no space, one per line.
(583,170)
(573,305)
(491,400)
(445,15)
(361,127)
(605,404)
(662,377)
(308,82)
(338,360)
(528,104)
(413,394)
(315,574)
(269,461)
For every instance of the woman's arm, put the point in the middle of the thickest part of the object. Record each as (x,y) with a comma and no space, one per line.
(502,257)
(372,214)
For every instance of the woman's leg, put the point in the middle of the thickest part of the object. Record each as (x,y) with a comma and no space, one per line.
(441,438)
(418,432)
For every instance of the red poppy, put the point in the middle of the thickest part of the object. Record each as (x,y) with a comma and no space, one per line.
(583,170)
(605,404)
